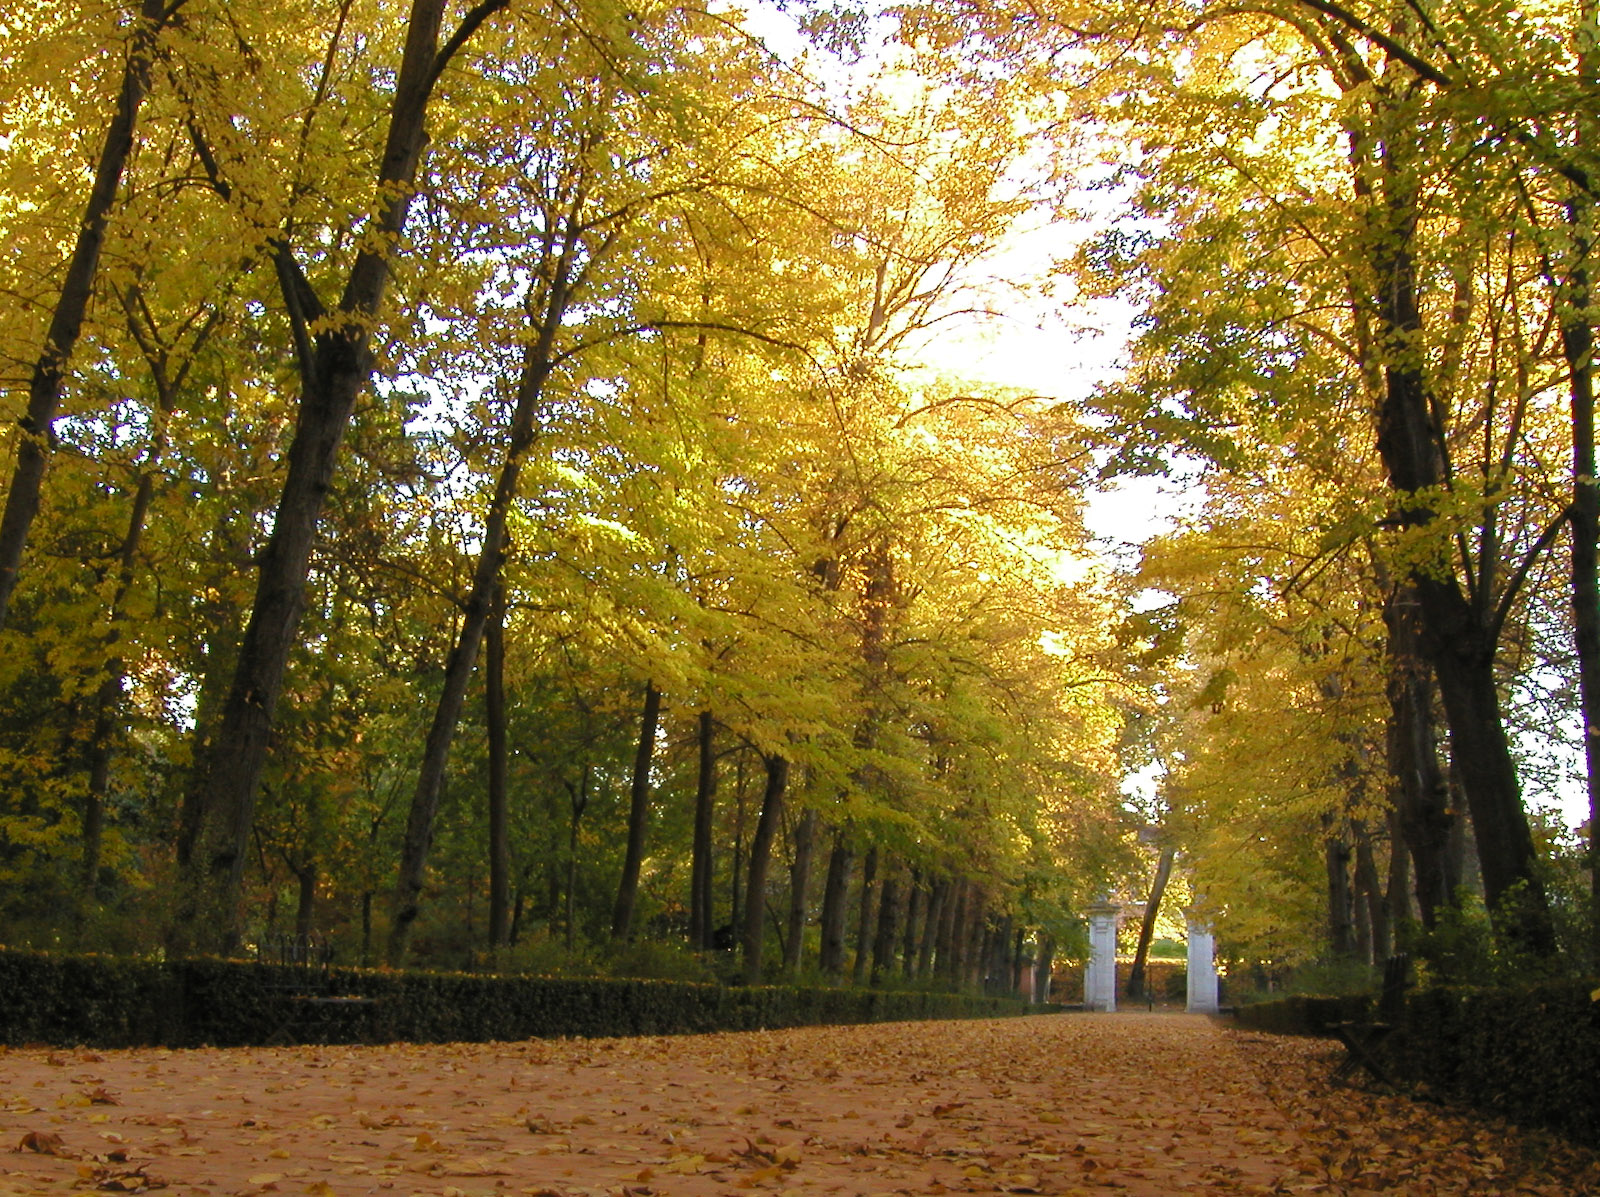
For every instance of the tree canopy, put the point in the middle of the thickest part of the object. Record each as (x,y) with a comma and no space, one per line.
(484,484)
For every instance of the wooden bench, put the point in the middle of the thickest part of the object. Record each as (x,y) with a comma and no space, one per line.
(305,1001)
(1361,1039)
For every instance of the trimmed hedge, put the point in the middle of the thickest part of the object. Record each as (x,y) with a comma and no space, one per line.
(111,1002)
(1303,1014)
(1531,1055)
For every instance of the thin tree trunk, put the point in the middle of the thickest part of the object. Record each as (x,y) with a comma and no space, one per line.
(336,362)
(494,681)
(578,796)
(1042,968)
(107,704)
(805,839)
(424,811)
(1341,931)
(953,934)
(1577,346)
(108,697)
(755,905)
(888,918)
(638,815)
(701,873)
(66,321)
(305,911)
(869,871)
(915,904)
(977,925)
(938,896)
(835,897)
(1369,890)
(1147,928)
(1398,886)
(736,889)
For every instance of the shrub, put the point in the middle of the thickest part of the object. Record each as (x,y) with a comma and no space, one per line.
(104,1001)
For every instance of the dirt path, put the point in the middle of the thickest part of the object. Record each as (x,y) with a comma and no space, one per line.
(1141,1105)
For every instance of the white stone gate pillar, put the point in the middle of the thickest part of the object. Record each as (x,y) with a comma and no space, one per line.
(1202,966)
(1100,977)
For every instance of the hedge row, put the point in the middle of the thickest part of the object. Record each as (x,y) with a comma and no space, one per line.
(108,1002)
(1302,1014)
(1531,1055)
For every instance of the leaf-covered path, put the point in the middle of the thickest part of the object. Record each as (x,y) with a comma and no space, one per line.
(1133,1104)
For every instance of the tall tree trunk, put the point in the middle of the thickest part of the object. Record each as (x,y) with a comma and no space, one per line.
(755,905)
(1398,888)
(536,366)
(638,815)
(1421,795)
(736,888)
(701,873)
(973,961)
(1459,634)
(805,839)
(223,619)
(107,706)
(578,796)
(305,911)
(1577,346)
(77,286)
(1043,965)
(1147,928)
(869,871)
(938,898)
(336,363)
(108,697)
(1341,928)
(494,681)
(914,911)
(835,899)
(1369,893)
(953,933)
(888,923)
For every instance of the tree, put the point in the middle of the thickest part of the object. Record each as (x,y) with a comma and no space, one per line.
(335,359)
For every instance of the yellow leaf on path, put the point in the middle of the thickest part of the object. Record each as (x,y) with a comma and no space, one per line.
(266,1178)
